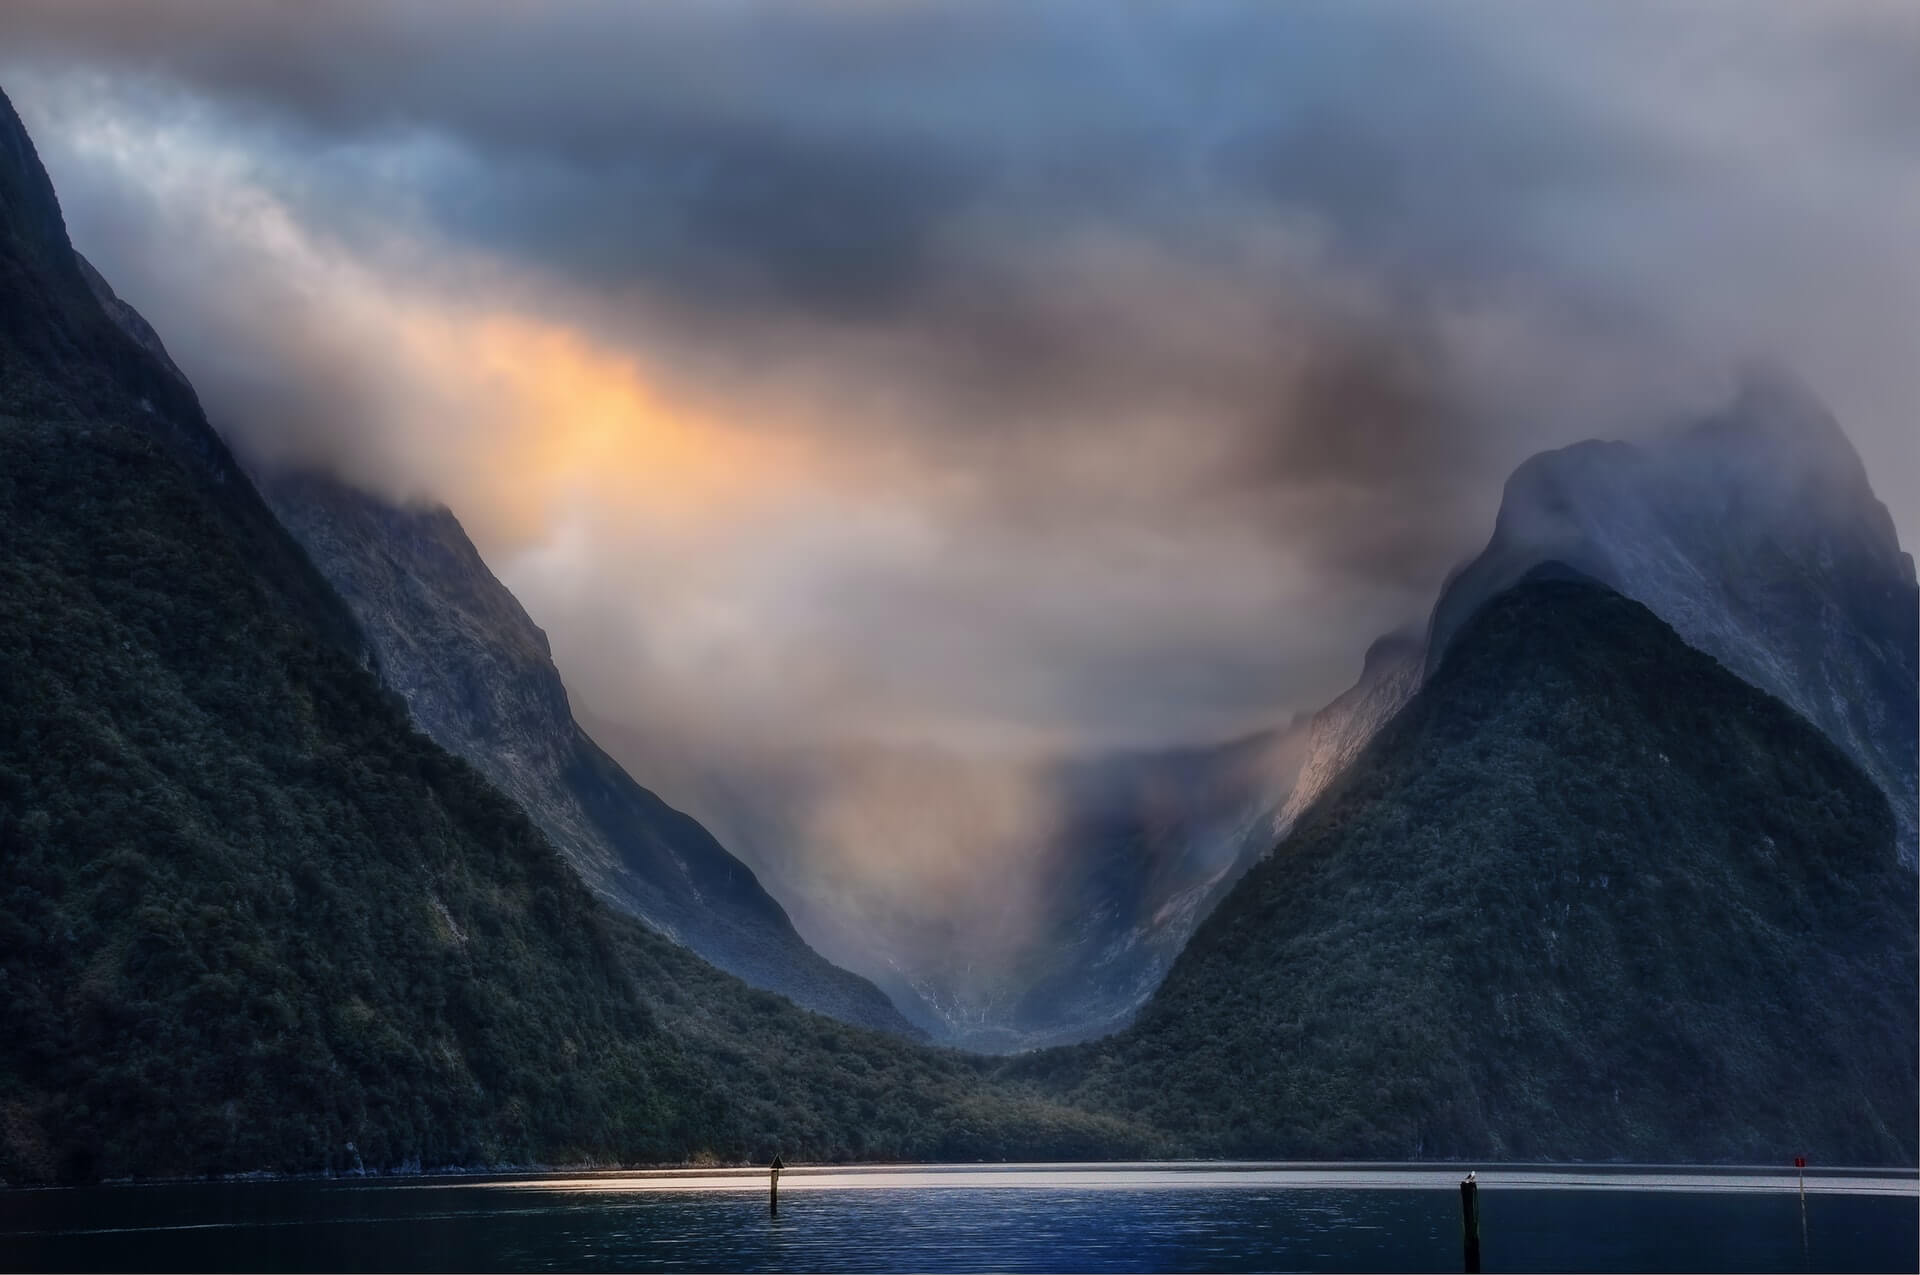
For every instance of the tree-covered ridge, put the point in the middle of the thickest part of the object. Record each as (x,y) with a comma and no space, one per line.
(250,919)
(478,678)
(1589,896)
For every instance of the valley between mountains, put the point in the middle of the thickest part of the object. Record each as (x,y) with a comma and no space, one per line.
(308,863)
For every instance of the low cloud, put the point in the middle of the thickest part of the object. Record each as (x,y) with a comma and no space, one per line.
(1019,380)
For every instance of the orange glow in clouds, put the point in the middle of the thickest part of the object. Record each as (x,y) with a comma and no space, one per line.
(547,422)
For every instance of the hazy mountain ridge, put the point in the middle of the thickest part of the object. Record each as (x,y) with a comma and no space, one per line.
(478,676)
(251,918)
(1755,534)
(1587,896)
(1391,673)
(1144,844)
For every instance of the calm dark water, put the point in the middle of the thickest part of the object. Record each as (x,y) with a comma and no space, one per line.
(1136,1218)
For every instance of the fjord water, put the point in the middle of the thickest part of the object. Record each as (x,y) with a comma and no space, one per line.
(963,1218)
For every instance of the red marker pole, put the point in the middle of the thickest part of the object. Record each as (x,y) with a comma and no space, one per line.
(1800,1163)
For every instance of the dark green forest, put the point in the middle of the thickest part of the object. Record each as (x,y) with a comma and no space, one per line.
(1589,896)
(249,918)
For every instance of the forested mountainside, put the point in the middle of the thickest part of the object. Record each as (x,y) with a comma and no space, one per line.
(478,677)
(1755,533)
(1589,896)
(250,918)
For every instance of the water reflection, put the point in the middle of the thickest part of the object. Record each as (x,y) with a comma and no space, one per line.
(1097,1218)
(1210,1176)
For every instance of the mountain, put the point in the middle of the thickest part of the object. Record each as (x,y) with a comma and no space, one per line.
(1133,850)
(1150,844)
(1587,896)
(478,677)
(251,918)
(1143,845)
(1754,533)
(1389,676)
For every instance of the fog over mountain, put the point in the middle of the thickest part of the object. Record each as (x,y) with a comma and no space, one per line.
(886,405)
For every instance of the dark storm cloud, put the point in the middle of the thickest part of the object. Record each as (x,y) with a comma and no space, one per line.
(1328,270)
(726,216)
(819,156)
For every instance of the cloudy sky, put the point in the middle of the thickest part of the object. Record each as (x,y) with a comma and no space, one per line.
(993,378)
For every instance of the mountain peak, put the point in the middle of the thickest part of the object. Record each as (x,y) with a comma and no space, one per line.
(1755,532)
(29,212)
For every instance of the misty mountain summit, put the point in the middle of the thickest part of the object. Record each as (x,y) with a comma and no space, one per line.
(1756,534)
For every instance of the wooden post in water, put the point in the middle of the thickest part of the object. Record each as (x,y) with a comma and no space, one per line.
(1470,1223)
(773,1198)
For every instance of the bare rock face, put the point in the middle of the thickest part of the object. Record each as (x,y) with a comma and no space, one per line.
(478,677)
(1757,536)
(1338,732)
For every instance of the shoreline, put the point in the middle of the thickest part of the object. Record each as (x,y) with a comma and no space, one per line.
(1517,1174)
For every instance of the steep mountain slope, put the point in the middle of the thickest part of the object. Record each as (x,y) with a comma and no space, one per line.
(1756,535)
(1145,844)
(478,677)
(1338,733)
(1588,896)
(1100,899)
(250,918)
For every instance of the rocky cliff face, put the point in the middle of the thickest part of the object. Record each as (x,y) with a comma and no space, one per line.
(1392,673)
(478,678)
(1757,536)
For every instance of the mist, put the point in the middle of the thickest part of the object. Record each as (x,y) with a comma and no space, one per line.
(888,401)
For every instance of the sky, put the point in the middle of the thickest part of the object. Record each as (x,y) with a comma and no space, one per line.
(982,382)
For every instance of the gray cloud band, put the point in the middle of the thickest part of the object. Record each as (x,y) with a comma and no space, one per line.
(1205,335)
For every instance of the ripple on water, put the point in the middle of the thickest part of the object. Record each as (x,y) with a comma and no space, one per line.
(1130,1218)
